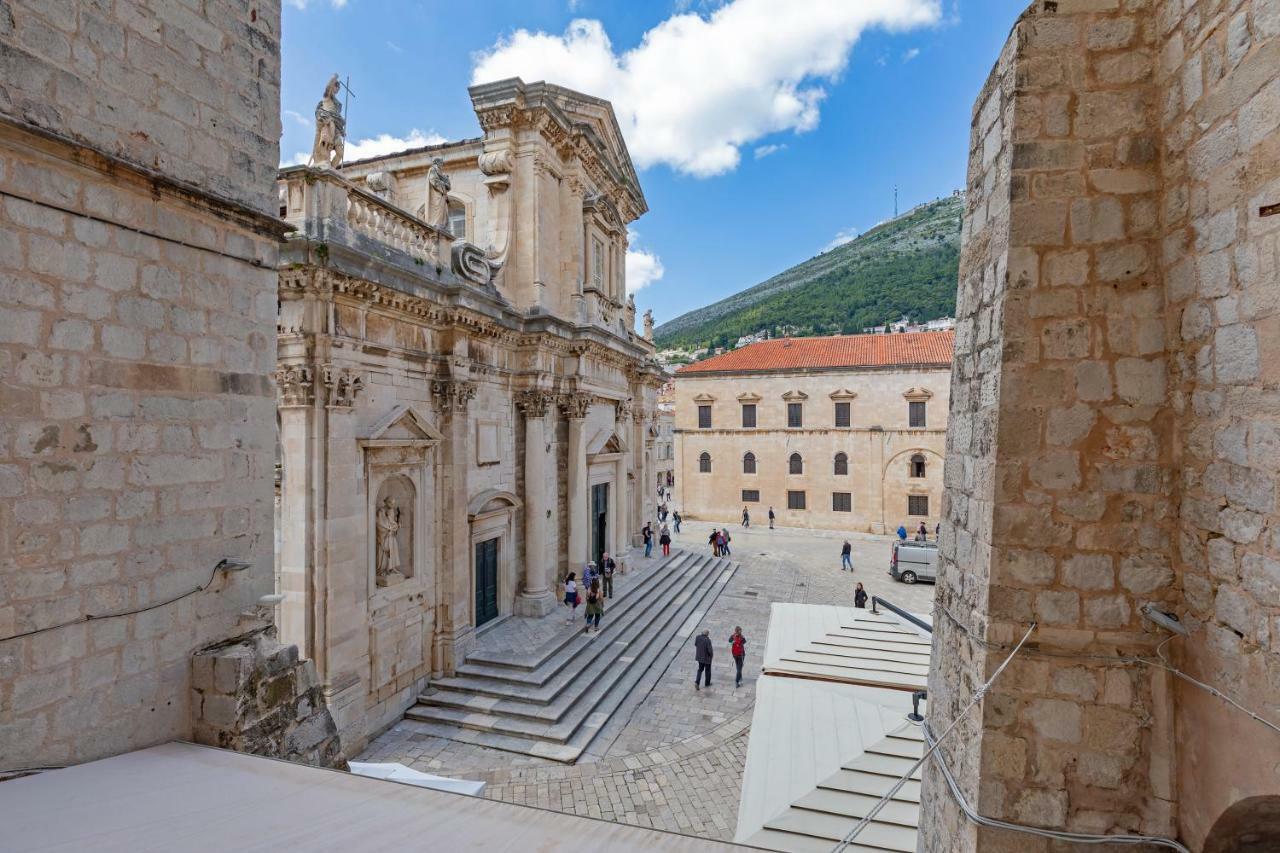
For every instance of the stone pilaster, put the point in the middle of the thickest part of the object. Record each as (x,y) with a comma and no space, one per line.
(536,598)
(454,627)
(575,409)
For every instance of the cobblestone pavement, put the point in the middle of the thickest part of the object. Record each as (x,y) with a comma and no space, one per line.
(671,757)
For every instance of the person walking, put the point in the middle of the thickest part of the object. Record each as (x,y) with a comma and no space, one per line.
(647,532)
(724,546)
(770,518)
(738,648)
(665,541)
(589,575)
(902,533)
(937,532)
(703,653)
(859,596)
(607,568)
(746,518)
(846,556)
(922,533)
(595,607)
(675,517)
(571,597)
(714,541)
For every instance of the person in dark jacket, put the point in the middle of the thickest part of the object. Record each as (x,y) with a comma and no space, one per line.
(738,648)
(746,517)
(607,567)
(714,541)
(703,653)
(647,533)
(846,556)
(859,596)
(771,517)
(675,516)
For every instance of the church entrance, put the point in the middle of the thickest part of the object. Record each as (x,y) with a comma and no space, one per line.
(486,581)
(599,521)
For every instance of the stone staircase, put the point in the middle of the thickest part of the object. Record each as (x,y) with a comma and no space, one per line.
(553,700)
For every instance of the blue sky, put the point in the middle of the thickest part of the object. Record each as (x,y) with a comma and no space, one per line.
(764,130)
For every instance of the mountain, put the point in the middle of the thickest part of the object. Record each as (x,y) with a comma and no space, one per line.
(907,266)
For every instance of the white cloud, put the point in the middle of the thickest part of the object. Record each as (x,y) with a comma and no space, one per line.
(911,54)
(844,235)
(393,46)
(299,118)
(699,87)
(763,151)
(302,5)
(643,267)
(383,143)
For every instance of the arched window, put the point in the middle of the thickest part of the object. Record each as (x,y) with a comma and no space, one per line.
(704,463)
(749,463)
(917,465)
(842,464)
(796,464)
(458,220)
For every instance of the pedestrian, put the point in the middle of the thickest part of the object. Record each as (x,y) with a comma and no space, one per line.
(724,546)
(746,518)
(665,541)
(770,518)
(595,607)
(647,532)
(738,648)
(846,556)
(675,516)
(859,596)
(703,653)
(571,597)
(902,533)
(937,531)
(589,574)
(922,534)
(607,568)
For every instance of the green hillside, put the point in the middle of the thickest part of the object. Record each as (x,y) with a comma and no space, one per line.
(906,266)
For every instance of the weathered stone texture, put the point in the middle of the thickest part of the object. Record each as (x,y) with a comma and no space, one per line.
(1116,310)
(128,468)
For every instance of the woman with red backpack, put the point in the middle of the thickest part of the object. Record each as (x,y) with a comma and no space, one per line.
(738,648)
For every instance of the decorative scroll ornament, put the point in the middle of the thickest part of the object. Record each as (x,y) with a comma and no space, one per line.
(471,263)
(296,385)
(342,385)
(535,403)
(453,395)
(331,128)
(575,405)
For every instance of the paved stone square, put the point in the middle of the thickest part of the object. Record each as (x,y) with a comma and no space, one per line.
(672,757)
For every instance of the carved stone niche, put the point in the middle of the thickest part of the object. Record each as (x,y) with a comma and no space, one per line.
(401,473)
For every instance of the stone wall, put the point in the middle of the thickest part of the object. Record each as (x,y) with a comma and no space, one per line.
(1107,444)
(252,694)
(188,90)
(136,403)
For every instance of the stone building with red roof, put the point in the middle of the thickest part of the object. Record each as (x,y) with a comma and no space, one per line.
(843,432)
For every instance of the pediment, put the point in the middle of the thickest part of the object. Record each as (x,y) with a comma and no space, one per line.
(843,394)
(795,395)
(605,441)
(918,395)
(704,398)
(491,501)
(402,425)
(749,398)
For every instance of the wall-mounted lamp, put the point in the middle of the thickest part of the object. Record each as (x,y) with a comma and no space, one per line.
(1168,621)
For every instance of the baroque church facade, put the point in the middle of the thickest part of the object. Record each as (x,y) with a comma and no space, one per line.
(457,362)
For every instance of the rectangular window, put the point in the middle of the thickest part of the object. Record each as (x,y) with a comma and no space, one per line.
(916,413)
(917,505)
(795,415)
(795,500)
(748,415)
(597,262)
(704,417)
(841,502)
(842,414)
(751,496)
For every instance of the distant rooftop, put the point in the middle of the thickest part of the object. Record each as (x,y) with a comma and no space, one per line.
(907,349)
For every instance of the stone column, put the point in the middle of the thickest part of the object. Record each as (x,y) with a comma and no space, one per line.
(619,506)
(297,506)
(575,409)
(536,598)
(453,622)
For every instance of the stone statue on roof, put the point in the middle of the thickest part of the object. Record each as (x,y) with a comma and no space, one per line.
(331,128)
(648,324)
(438,186)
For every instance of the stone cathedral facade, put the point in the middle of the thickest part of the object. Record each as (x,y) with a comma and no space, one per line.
(466,410)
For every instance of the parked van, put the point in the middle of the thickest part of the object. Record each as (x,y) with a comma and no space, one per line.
(914,561)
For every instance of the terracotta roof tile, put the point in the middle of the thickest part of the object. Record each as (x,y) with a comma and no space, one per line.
(896,350)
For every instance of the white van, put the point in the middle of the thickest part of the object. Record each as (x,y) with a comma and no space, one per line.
(914,561)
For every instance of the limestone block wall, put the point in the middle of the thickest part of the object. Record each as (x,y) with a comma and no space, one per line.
(1218,69)
(1108,430)
(191,91)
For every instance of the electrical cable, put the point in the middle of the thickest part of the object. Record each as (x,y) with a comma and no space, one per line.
(91,617)
(897,786)
(1057,835)
(1162,663)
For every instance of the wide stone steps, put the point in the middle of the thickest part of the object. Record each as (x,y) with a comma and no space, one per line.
(484,669)
(586,679)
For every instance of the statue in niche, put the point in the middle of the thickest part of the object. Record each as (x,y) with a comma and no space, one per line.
(438,186)
(388,521)
(331,128)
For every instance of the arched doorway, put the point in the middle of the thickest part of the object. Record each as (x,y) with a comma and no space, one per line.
(1250,826)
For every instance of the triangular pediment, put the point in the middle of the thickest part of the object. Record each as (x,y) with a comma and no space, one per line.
(403,423)
(605,441)
(795,395)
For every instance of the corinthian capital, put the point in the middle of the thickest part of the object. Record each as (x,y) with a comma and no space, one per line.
(534,403)
(296,384)
(453,395)
(342,385)
(624,409)
(575,405)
